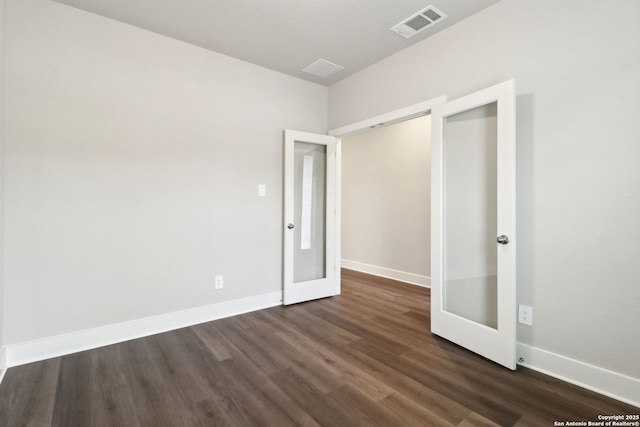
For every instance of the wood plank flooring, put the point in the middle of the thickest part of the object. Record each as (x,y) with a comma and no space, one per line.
(364,358)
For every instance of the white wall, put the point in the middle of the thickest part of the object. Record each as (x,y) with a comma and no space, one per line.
(385,200)
(2,305)
(132,169)
(577,158)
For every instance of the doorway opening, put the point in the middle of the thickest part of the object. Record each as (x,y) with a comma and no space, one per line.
(397,268)
(386,192)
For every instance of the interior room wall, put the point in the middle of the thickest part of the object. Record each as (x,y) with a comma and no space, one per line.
(578,103)
(132,165)
(386,189)
(2,62)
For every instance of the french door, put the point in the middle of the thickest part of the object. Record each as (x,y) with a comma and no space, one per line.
(309,217)
(473,294)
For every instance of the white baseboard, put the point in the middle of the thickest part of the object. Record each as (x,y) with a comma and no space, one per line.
(617,386)
(60,345)
(3,363)
(402,276)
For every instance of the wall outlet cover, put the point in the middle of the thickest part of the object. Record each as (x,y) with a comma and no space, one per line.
(525,314)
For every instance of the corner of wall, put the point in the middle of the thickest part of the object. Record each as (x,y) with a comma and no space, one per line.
(3,358)
(3,363)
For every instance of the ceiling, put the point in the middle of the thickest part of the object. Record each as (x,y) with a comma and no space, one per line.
(286,35)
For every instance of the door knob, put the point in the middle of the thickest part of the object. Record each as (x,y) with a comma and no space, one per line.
(503,240)
(290,226)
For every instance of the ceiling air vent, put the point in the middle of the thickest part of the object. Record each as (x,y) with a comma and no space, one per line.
(323,69)
(415,23)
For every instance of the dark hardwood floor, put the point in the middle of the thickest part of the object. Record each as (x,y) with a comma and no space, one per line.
(363,358)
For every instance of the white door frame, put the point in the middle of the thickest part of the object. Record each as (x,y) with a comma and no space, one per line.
(411,112)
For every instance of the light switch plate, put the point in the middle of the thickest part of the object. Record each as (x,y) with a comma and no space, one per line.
(219,282)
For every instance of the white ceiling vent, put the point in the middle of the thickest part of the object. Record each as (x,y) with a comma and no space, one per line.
(322,69)
(415,23)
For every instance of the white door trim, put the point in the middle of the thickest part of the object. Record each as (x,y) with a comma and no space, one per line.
(407,113)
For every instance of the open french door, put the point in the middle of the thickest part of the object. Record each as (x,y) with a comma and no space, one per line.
(473,294)
(310,269)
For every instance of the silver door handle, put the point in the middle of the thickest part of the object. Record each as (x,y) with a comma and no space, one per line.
(290,226)
(503,240)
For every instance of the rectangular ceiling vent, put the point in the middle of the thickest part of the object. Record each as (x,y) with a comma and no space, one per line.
(322,68)
(415,23)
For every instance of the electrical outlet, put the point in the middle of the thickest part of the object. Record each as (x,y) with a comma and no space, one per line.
(525,315)
(219,282)
(262,190)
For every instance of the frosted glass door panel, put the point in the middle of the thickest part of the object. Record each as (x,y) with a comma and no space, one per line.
(470,215)
(309,252)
